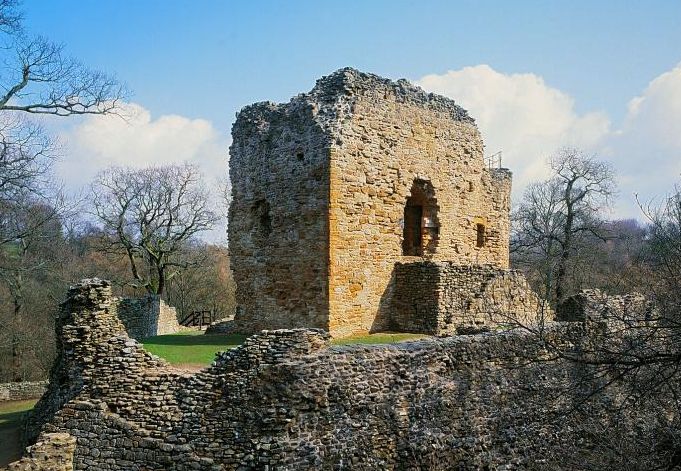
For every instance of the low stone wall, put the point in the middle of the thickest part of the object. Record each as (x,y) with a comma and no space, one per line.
(596,305)
(440,298)
(22,391)
(286,400)
(147,316)
(221,327)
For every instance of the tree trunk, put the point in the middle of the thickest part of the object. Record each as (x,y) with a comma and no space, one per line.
(16,338)
(161,280)
(567,246)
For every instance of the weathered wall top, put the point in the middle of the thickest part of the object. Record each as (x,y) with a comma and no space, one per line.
(347,82)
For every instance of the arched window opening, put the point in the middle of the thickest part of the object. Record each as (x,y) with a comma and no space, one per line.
(421,229)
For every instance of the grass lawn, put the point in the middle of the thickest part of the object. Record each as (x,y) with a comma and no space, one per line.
(12,415)
(191,348)
(376,339)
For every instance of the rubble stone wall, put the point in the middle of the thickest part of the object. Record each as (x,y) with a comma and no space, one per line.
(597,305)
(147,316)
(278,228)
(286,400)
(22,391)
(52,452)
(442,298)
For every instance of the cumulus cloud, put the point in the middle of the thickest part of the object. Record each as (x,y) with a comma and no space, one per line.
(528,120)
(139,140)
(520,115)
(647,148)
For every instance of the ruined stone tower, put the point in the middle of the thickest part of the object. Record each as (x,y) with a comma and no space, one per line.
(332,189)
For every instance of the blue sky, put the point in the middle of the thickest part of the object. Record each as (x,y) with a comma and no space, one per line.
(202,61)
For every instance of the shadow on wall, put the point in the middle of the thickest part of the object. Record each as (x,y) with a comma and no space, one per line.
(382,321)
(410,301)
(445,298)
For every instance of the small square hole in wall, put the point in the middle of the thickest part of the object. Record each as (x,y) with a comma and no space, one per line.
(471,187)
(480,239)
(300,156)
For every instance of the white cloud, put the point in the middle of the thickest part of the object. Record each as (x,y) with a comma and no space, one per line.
(528,120)
(97,142)
(520,115)
(657,112)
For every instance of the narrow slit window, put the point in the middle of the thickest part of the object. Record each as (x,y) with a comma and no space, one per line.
(480,239)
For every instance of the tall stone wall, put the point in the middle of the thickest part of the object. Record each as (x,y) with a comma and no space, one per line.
(441,298)
(278,229)
(147,316)
(286,400)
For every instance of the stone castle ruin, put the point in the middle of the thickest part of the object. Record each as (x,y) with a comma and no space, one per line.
(333,189)
(363,205)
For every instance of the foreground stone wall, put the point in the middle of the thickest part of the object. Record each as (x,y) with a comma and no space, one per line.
(286,400)
(22,391)
(52,452)
(147,316)
(442,298)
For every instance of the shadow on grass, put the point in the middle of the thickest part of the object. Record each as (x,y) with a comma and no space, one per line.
(12,417)
(189,340)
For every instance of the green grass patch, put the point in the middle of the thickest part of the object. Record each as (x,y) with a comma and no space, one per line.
(377,339)
(191,348)
(12,416)
(194,349)
(12,412)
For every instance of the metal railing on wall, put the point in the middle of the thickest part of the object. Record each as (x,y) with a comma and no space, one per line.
(494,160)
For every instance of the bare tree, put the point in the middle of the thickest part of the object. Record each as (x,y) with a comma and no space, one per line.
(206,285)
(10,18)
(36,228)
(555,216)
(149,214)
(628,358)
(39,78)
